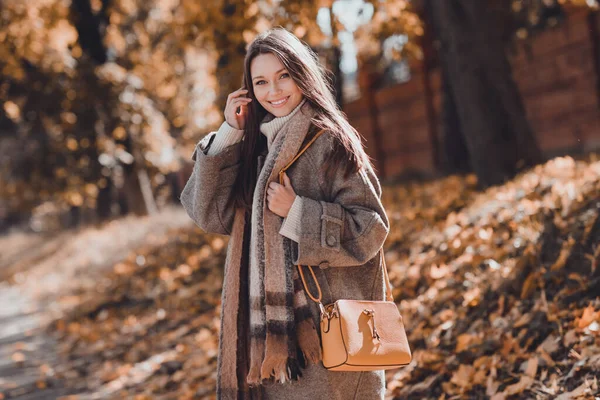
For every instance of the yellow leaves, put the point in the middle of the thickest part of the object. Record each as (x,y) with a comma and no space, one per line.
(463,376)
(61,36)
(217,244)
(532,366)
(184,270)
(472,297)
(466,340)
(300,31)
(12,110)
(18,357)
(119,133)
(167,90)
(61,173)
(123,268)
(523,320)
(530,284)
(40,33)
(524,383)
(165,274)
(72,144)
(581,3)
(252,10)
(428,357)
(69,117)
(439,272)
(590,318)
(565,252)
(91,190)
(114,37)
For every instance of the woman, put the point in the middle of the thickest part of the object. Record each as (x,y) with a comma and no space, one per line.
(328,213)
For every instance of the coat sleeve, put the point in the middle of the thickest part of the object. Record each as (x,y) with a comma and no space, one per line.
(207,194)
(347,231)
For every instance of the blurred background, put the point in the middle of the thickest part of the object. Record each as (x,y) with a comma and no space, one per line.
(483,121)
(103,100)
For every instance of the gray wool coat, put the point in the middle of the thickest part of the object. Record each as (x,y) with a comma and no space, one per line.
(343,227)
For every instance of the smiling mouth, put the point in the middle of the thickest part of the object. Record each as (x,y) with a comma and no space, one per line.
(279,103)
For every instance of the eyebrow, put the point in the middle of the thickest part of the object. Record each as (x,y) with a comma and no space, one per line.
(260,76)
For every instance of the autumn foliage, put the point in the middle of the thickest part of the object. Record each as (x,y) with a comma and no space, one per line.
(498,291)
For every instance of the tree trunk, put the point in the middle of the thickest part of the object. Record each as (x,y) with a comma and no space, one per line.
(482,103)
(137,186)
(90,28)
(230,44)
(456,154)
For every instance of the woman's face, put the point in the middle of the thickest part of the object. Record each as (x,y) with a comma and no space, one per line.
(273,86)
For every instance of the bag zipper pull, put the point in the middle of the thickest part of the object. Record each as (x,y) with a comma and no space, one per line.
(371,314)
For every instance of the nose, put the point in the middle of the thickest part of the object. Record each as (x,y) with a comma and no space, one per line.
(275,89)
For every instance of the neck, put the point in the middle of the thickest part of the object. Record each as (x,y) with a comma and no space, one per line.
(271,128)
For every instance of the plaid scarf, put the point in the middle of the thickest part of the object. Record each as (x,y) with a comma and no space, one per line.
(267,330)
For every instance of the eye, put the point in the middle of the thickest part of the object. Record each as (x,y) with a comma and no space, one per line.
(259,82)
(285,75)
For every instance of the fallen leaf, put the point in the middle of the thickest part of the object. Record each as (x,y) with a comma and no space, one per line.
(589,315)
(463,376)
(532,365)
(524,383)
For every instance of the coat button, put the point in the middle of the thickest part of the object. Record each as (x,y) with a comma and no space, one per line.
(324,264)
(331,241)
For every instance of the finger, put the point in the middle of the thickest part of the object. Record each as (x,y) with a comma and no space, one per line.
(239,104)
(235,103)
(238,100)
(237,93)
(286,180)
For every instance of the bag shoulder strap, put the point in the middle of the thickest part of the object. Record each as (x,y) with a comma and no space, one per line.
(298,155)
(388,285)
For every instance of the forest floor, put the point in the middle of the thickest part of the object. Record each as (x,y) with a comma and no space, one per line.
(499,291)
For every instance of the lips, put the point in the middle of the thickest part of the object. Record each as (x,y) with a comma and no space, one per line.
(280,102)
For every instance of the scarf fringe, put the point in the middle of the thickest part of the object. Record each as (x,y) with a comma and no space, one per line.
(253,378)
(274,366)
(308,340)
(282,370)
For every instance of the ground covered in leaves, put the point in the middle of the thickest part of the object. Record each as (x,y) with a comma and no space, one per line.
(499,291)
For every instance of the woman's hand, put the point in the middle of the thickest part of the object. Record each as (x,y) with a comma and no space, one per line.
(281,197)
(235,100)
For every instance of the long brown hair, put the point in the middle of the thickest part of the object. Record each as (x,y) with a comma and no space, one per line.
(303,66)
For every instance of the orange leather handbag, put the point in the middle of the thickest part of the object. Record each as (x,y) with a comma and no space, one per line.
(359,335)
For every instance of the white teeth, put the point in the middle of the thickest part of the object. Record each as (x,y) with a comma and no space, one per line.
(276,103)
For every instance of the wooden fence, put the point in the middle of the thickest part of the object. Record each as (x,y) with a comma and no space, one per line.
(557,73)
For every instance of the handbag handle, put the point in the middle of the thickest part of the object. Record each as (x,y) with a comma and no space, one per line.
(388,285)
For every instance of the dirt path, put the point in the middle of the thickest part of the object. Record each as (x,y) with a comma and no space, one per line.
(35,271)
(26,352)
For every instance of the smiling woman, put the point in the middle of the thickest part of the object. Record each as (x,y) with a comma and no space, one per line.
(327,212)
(274,87)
